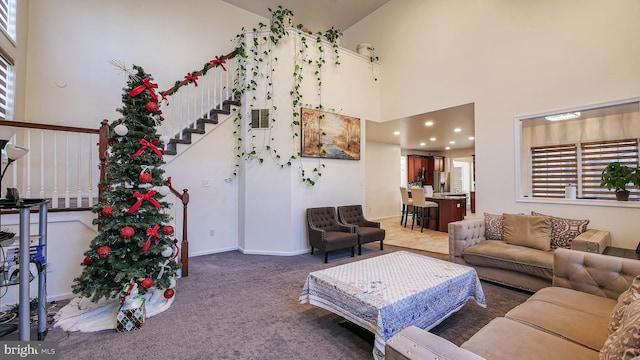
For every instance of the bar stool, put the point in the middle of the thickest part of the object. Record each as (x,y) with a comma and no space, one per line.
(406,202)
(423,209)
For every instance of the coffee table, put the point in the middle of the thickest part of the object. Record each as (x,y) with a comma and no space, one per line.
(387,293)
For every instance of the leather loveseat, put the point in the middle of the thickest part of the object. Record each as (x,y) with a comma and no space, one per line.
(592,311)
(517,249)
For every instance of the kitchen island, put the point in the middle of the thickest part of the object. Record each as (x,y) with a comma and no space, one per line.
(451,207)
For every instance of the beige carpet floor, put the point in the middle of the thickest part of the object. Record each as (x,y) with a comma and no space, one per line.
(427,240)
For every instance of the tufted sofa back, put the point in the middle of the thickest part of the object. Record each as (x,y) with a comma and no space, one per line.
(323,218)
(597,274)
(351,214)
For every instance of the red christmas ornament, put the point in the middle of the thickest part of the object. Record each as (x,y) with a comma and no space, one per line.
(147,283)
(87,260)
(168,294)
(104,251)
(127,232)
(152,106)
(107,211)
(167,230)
(145,178)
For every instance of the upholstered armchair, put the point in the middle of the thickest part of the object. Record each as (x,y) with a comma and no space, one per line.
(326,233)
(368,231)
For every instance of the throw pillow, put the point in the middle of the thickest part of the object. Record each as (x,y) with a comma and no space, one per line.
(624,343)
(527,230)
(563,231)
(623,301)
(493,227)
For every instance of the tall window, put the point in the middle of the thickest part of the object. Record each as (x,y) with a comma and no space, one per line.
(554,167)
(8,18)
(6,88)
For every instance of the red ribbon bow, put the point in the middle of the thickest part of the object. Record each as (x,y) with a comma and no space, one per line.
(219,62)
(152,233)
(164,97)
(169,181)
(146,85)
(193,78)
(146,144)
(142,197)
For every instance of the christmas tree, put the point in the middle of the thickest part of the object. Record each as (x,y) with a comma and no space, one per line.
(134,244)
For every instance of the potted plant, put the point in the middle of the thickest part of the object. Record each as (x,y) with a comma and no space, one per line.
(617,176)
(333,35)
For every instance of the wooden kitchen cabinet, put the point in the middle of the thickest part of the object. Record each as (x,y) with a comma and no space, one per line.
(415,164)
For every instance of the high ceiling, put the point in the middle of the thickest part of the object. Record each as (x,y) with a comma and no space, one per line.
(316,15)
(320,15)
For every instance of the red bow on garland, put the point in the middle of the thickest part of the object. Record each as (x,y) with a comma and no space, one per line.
(152,233)
(146,144)
(146,85)
(219,62)
(164,97)
(193,78)
(142,197)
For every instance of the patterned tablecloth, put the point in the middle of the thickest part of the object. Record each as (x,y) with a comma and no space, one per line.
(389,292)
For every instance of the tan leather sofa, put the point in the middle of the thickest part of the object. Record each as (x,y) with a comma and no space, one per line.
(569,320)
(518,266)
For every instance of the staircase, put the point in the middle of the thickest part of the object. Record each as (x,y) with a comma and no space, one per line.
(198,127)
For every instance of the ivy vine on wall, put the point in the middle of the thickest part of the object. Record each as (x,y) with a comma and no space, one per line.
(256,63)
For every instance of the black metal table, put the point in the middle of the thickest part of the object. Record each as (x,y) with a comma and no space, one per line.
(24,207)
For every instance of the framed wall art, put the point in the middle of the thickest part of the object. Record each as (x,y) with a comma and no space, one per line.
(329,135)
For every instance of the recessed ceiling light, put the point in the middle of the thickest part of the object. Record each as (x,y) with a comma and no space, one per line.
(396,133)
(471,138)
(566,116)
(452,142)
(447,148)
(423,144)
(433,139)
(457,130)
(429,123)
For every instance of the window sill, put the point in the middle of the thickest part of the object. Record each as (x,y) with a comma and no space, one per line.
(583,202)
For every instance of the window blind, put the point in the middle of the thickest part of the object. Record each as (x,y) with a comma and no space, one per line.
(595,158)
(553,168)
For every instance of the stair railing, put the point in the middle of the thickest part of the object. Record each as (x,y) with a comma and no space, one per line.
(61,164)
(197,100)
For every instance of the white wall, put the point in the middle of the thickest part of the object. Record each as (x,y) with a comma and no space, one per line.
(72,41)
(383,180)
(510,58)
(273,201)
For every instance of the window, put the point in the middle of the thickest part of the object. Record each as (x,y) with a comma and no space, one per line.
(595,158)
(572,147)
(8,18)
(553,168)
(260,119)
(6,88)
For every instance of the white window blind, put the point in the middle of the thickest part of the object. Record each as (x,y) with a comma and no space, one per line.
(6,89)
(553,168)
(8,17)
(595,158)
